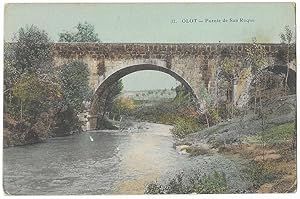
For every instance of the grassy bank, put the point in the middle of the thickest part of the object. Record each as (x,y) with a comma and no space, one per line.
(272,162)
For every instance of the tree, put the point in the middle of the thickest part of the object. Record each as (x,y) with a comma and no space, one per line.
(227,74)
(85,32)
(11,75)
(206,100)
(74,79)
(256,58)
(32,50)
(29,56)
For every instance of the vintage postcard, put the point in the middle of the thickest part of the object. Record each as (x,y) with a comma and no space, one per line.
(152,98)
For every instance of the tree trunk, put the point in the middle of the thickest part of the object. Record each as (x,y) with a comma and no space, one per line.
(287,69)
(255,101)
(207,121)
(21,110)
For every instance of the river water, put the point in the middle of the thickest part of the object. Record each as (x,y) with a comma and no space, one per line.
(105,163)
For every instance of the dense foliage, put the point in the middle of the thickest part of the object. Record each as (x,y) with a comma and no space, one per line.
(37,94)
(74,79)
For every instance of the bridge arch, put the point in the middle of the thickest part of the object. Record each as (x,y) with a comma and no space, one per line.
(97,100)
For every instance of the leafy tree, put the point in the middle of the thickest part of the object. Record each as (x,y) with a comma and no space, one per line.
(29,56)
(288,36)
(32,50)
(75,84)
(11,73)
(85,32)
(256,56)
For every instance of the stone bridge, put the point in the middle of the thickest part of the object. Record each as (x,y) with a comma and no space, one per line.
(194,65)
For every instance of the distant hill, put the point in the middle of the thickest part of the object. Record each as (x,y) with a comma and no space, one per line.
(153,95)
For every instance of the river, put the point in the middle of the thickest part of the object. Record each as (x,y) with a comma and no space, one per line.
(105,163)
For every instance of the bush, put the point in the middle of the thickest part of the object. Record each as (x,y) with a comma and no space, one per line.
(195,151)
(208,184)
(259,173)
(66,121)
(184,126)
(181,184)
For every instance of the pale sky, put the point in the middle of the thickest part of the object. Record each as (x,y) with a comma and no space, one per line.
(152,23)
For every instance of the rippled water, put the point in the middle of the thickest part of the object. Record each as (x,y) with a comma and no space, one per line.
(113,163)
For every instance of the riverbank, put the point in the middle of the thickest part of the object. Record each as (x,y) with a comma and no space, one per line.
(268,147)
(20,133)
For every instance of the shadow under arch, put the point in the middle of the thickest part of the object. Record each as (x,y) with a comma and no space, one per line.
(96,102)
(282,69)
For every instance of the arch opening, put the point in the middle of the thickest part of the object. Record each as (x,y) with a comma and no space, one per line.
(97,104)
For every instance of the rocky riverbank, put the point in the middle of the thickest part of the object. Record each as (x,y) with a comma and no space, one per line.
(267,142)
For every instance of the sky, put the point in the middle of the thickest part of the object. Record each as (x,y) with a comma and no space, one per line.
(126,23)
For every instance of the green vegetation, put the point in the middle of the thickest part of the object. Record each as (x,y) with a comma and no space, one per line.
(275,134)
(110,96)
(40,100)
(122,106)
(259,173)
(197,183)
(179,112)
(209,184)
(31,92)
(184,126)
(282,132)
(74,81)
(85,32)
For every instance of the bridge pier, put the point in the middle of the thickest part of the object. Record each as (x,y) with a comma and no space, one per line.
(92,122)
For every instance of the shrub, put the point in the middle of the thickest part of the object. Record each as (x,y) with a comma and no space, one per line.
(208,184)
(184,126)
(259,173)
(182,184)
(195,151)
